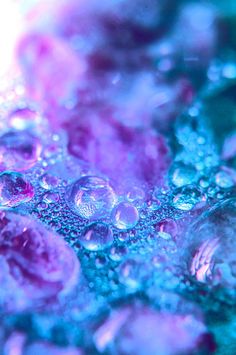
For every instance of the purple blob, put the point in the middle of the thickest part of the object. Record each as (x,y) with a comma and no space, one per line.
(14,189)
(91,197)
(122,153)
(50,66)
(17,344)
(142,330)
(36,265)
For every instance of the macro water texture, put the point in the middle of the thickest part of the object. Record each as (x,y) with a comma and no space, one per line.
(117,177)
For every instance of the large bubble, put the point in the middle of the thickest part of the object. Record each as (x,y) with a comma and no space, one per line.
(91,197)
(212,246)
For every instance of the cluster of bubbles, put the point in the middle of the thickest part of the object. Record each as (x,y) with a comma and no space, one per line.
(117,182)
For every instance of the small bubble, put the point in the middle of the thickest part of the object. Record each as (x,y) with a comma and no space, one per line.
(96,237)
(51,197)
(211,244)
(181,174)
(42,206)
(48,182)
(125,216)
(224,180)
(167,229)
(204,183)
(185,198)
(135,193)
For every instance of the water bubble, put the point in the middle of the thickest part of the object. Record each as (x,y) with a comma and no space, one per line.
(24,118)
(48,182)
(224,180)
(14,189)
(185,198)
(167,229)
(91,197)
(19,151)
(181,174)
(204,182)
(51,197)
(96,237)
(37,266)
(42,206)
(125,216)
(212,246)
(135,193)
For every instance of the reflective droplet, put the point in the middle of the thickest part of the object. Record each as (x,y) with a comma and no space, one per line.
(24,118)
(185,198)
(51,197)
(14,189)
(125,216)
(91,197)
(224,180)
(167,229)
(96,237)
(135,193)
(212,246)
(19,151)
(48,182)
(181,174)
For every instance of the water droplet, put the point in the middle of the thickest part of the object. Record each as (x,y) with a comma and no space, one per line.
(135,193)
(185,198)
(212,246)
(167,229)
(51,197)
(125,216)
(96,237)
(24,118)
(48,182)
(19,151)
(181,174)
(91,197)
(224,180)
(14,189)
(204,182)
